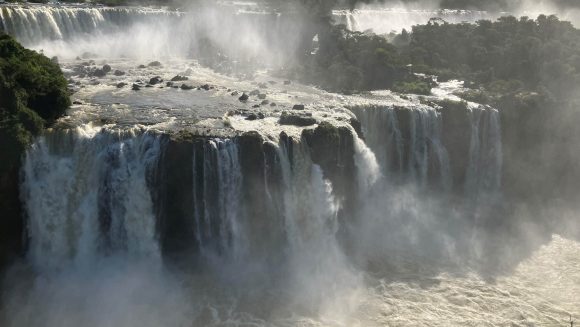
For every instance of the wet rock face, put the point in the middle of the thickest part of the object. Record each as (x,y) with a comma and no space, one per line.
(332,148)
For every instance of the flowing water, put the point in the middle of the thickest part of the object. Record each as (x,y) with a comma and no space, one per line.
(130,223)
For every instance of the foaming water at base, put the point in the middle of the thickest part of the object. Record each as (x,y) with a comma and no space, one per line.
(541,291)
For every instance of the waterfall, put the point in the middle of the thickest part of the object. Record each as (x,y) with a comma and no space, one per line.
(410,142)
(382,135)
(34,24)
(86,194)
(387,20)
(425,144)
(485,152)
(407,143)
(146,33)
(368,169)
(217,182)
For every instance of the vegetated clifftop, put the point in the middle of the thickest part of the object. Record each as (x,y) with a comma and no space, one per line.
(33,93)
(529,69)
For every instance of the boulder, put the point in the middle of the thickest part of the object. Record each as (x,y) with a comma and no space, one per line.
(244,97)
(252,117)
(155,64)
(121,85)
(273,104)
(106,68)
(265,102)
(119,73)
(296,119)
(155,80)
(261,96)
(254,93)
(186,87)
(169,84)
(205,87)
(99,73)
(298,107)
(141,66)
(136,87)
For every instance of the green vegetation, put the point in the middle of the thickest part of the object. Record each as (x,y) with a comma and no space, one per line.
(33,92)
(505,56)
(354,61)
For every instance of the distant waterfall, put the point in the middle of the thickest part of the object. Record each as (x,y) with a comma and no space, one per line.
(86,193)
(69,31)
(387,20)
(33,24)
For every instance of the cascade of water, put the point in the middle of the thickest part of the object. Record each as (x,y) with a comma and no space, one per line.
(407,146)
(31,25)
(145,33)
(485,152)
(86,194)
(217,186)
(368,168)
(426,143)
(387,20)
(382,135)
